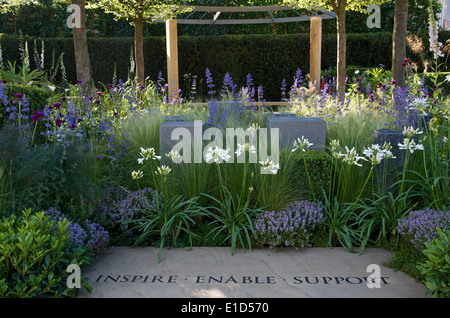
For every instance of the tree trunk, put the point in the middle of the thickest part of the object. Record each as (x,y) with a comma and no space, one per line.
(81,50)
(399,42)
(139,48)
(339,9)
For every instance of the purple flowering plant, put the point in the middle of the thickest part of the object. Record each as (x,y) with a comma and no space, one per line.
(292,226)
(422,226)
(88,235)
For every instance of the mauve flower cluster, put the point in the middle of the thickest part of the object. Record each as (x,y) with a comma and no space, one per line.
(421,226)
(117,206)
(291,227)
(93,237)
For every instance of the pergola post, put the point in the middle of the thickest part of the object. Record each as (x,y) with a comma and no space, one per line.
(172,59)
(315,53)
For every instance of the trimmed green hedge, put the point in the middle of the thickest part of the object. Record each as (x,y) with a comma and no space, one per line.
(319,166)
(268,58)
(37,98)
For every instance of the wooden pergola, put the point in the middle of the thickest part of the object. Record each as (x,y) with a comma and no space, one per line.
(211,15)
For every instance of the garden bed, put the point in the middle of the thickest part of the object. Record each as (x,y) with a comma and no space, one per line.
(94,167)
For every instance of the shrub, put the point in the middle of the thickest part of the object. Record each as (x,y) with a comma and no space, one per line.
(421,225)
(35,252)
(37,98)
(117,208)
(290,227)
(88,235)
(437,265)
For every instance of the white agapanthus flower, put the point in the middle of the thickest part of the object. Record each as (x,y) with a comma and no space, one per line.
(253,128)
(351,157)
(420,104)
(163,170)
(245,148)
(334,145)
(375,154)
(136,175)
(271,166)
(147,154)
(301,143)
(411,132)
(410,145)
(173,155)
(217,155)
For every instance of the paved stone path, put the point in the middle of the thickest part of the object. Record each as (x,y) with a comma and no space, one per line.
(203,272)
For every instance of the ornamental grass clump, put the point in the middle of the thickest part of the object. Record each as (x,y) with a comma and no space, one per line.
(422,226)
(292,226)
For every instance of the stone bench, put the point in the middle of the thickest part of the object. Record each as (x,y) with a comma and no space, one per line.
(291,127)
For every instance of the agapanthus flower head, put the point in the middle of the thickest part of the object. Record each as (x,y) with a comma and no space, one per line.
(217,155)
(163,170)
(253,128)
(410,145)
(351,157)
(173,155)
(136,175)
(420,103)
(411,132)
(147,154)
(269,165)
(375,154)
(242,149)
(301,143)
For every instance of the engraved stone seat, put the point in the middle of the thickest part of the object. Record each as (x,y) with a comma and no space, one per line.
(291,127)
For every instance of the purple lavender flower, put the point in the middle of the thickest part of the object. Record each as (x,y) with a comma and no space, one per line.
(117,206)
(92,237)
(210,82)
(290,227)
(421,226)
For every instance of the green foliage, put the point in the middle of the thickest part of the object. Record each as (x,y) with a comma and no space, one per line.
(405,257)
(353,5)
(167,220)
(377,216)
(277,56)
(34,257)
(147,9)
(233,219)
(37,98)
(319,165)
(23,76)
(436,267)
